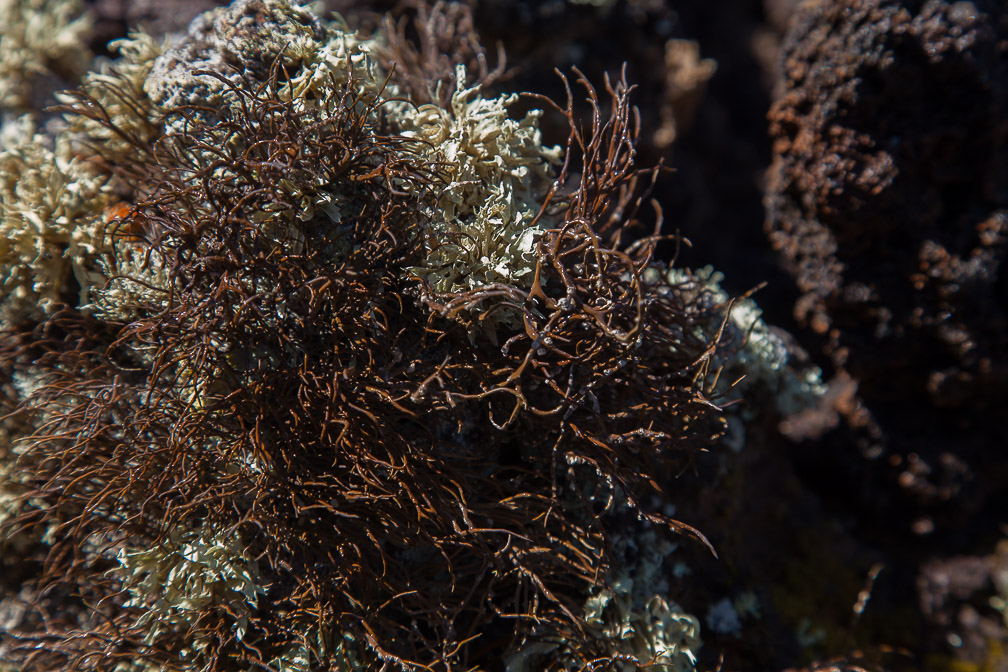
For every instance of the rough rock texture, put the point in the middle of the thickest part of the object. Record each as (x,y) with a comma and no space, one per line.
(888,203)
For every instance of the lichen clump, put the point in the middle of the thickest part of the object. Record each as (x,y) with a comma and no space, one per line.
(39,39)
(50,225)
(325,375)
(497,172)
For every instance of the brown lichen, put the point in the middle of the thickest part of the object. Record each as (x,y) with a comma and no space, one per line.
(411,476)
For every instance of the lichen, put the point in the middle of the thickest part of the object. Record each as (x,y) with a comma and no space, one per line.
(497,171)
(343,655)
(755,356)
(50,226)
(261,227)
(999,577)
(39,39)
(116,88)
(635,614)
(174,582)
(632,612)
(240,40)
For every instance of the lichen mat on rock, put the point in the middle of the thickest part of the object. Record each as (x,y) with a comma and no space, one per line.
(308,369)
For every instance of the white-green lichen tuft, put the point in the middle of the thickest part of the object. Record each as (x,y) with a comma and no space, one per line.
(751,350)
(174,582)
(51,229)
(497,171)
(55,246)
(635,615)
(118,87)
(40,40)
(632,615)
(493,170)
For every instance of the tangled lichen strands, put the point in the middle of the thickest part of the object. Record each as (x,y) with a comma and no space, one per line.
(591,324)
(361,366)
(607,195)
(425,69)
(111,113)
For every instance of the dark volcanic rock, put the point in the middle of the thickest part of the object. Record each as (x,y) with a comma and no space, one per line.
(888,201)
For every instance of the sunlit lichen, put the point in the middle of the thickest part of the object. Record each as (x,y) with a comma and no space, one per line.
(39,39)
(497,171)
(50,226)
(267,376)
(175,582)
(116,88)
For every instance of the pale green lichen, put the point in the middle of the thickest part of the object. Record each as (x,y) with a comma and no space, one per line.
(117,87)
(636,617)
(497,171)
(725,616)
(752,352)
(10,504)
(634,612)
(173,582)
(632,615)
(16,130)
(21,414)
(238,41)
(999,577)
(330,67)
(39,39)
(51,228)
(111,291)
(600,4)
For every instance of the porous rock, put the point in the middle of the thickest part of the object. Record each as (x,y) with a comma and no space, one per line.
(887,202)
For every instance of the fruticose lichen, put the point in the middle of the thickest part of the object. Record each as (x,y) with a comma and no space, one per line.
(39,39)
(175,582)
(325,375)
(631,612)
(755,357)
(50,225)
(497,171)
(635,613)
